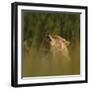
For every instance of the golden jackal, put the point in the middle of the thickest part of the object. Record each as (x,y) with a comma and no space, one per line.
(59,47)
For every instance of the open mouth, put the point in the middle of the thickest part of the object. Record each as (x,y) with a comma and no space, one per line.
(49,38)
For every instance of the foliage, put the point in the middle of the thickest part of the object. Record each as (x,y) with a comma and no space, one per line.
(36,26)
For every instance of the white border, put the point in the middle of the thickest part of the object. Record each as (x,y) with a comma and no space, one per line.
(31,80)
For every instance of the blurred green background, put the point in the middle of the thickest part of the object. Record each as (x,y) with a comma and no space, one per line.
(37,60)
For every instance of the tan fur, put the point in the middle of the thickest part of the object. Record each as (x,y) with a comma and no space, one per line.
(59,46)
